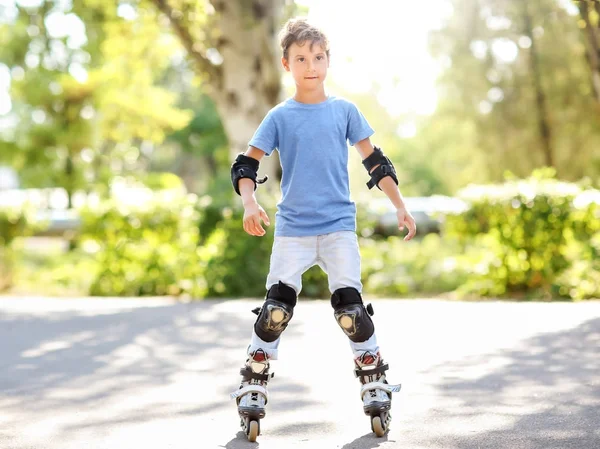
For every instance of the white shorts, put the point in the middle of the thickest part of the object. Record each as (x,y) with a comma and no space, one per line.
(336,253)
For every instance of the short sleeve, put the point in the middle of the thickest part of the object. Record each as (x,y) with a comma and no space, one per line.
(358,127)
(266,138)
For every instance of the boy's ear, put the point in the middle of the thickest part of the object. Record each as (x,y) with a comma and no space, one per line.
(285,64)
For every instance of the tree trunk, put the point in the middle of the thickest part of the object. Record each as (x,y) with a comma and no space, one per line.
(540,96)
(592,39)
(247,83)
(69,177)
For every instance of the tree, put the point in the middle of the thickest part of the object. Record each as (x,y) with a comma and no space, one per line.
(590,15)
(233,47)
(84,106)
(515,84)
(540,95)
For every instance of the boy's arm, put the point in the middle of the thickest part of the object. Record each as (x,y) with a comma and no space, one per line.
(389,187)
(253,212)
(246,185)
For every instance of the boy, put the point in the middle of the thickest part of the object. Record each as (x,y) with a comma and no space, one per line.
(315,221)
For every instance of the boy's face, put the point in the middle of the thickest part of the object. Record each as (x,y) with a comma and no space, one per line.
(308,65)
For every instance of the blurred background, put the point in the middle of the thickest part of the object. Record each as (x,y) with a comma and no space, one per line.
(119,121)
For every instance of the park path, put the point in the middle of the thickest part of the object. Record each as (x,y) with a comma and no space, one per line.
(156,373)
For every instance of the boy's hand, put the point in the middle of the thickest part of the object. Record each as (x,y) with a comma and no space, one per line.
(406,219)
(253,213)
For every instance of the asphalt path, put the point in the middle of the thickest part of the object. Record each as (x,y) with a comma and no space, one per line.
(156,373)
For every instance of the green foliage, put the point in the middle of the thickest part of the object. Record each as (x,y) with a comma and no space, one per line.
(52,272)
(533,238)
(489,114)
(211,215)
(314,284)
(17,222)
(428,266)
(235,263)
(83,108)
(14,222)
(162,181)
(7,265)
(146,248)
(533,232)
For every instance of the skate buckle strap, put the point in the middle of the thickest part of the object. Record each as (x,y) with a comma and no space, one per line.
(250,389)
(249,374)
(379,386)
(369,372)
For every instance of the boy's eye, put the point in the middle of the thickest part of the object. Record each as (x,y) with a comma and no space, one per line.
(319,58)
(300,59)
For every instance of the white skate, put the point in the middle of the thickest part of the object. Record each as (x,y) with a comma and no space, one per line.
(252,395)
(375,393)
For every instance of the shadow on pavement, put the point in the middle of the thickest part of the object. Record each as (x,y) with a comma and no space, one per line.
(114,354)
(548,388)
(367,441)
(240,441)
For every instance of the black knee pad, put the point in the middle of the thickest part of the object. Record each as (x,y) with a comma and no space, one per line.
(351,314)
(276,312)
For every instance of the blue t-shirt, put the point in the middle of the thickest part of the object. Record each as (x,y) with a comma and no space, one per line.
(311,140)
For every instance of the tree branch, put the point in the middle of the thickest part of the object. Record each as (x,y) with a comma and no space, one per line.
(180,28)
(593,47)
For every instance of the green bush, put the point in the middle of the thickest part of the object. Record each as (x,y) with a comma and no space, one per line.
(15,221)
(431,265)
(6,267)
(235,263)
(147,248)
(53,272)
(532,230)
(210,215)
(315,284)
(162,181)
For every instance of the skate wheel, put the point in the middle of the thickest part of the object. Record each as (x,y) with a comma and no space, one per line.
(252,431)
(377,426)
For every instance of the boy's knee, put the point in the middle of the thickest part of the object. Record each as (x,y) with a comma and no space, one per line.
(276,312)
(351,314)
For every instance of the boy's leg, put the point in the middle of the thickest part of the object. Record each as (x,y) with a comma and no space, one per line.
(339,256)
(290,257)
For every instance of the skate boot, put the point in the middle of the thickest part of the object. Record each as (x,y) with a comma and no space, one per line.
(376,393)
(252,395)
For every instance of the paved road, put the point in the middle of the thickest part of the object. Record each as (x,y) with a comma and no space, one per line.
(112,374)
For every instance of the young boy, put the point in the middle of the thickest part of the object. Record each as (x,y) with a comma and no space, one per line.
(315,221)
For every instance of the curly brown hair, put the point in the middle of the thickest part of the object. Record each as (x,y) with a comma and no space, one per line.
(298,30)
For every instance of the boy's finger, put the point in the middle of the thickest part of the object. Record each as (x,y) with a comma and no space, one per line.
(249,227)
(257,227)
(412,230)
(265,218)
(253,227)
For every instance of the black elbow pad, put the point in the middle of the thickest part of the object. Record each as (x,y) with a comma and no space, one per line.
(386,168)
(245,167)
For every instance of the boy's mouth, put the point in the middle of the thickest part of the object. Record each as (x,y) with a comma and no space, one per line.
(310,77)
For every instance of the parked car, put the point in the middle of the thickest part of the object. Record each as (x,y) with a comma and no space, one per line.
(427,210)
(49,204)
